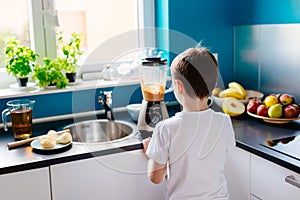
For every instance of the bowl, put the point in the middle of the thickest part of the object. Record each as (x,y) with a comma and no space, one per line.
(251,94)
(134,111)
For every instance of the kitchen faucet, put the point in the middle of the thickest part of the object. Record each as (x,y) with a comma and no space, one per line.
(107,104)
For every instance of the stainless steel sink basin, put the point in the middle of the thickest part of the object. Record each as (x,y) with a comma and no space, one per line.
(101,131)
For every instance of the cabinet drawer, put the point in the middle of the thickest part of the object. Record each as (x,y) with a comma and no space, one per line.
(270,181)
(111,177)
(31,184)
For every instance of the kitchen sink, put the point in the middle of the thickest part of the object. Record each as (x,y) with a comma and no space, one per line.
(101,131)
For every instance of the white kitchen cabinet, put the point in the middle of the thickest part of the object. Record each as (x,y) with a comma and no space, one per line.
(111,177)
(237,172)
(268,181)
(31,184)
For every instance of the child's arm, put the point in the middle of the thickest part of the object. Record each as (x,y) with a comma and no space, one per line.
(156,171)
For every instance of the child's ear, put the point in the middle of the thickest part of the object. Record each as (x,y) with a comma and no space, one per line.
(179,86)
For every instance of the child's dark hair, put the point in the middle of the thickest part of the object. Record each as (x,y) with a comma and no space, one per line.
(197,68)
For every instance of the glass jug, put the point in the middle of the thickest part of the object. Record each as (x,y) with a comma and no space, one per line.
(153,76)
(20,112)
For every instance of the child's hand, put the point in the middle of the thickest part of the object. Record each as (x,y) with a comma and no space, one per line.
(146,142)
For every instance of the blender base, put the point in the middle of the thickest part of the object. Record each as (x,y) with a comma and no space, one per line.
(151,113)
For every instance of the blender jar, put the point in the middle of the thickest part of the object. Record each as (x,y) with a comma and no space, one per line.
(153,76)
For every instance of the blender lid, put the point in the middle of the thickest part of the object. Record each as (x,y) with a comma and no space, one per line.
(154,61)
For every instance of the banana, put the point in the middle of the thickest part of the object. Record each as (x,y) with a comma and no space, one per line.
(239,88)
(230,92)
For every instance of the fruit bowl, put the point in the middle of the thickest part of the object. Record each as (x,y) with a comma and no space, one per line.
(250,95)
(273,120)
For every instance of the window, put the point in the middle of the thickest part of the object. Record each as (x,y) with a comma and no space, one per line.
(97,20)
(36,23)
(14,22)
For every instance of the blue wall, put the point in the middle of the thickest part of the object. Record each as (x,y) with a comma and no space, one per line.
(207,21)
(81,100)
(78,101)
(213,21)
(266,11)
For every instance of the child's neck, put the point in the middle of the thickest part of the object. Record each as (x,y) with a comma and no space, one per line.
(194,104)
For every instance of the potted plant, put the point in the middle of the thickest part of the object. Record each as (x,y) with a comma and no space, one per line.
(20,61)
(71,51)
(50,74)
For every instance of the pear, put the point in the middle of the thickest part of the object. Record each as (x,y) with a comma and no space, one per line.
(275,111)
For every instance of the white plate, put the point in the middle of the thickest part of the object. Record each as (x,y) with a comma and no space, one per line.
(36,145)
(29,86)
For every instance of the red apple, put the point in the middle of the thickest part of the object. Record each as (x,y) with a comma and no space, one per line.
(286,99)
(262,110)
(253,105)
(291,111)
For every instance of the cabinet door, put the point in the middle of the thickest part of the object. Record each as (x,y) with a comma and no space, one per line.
(31,184)
(112,177)
(268,180)
(237,172)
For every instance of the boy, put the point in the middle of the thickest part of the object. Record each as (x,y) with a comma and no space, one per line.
(191,147)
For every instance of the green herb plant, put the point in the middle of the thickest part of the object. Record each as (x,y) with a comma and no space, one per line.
(20,59)
(50,73)
(71,51)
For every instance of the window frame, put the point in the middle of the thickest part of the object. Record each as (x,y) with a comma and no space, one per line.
(43,36)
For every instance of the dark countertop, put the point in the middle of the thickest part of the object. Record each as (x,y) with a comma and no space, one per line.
(249,134)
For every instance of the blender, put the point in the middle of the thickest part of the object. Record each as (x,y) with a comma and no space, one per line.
(153,77)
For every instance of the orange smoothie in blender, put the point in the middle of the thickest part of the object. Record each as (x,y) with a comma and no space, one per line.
(153,92)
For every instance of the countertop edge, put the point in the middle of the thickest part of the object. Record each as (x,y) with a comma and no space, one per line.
(70,158)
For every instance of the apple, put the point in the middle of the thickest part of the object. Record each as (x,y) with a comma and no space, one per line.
(291,111)
(262,110)
(286,99)
(253,105)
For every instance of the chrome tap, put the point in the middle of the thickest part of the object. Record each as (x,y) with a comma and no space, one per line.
(107,104)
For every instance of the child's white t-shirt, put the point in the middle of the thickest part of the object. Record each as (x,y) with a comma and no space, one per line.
(195,167)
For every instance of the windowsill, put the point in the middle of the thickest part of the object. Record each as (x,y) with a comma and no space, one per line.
(79,85)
